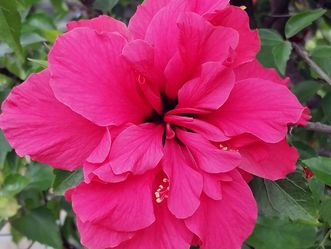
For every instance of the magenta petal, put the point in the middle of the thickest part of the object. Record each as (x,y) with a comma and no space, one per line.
(137,149)
(140,21)
(210,91)
(128,206)
(166,232)
(212,186)
(37,124)
(185,183)
(254,68)
(101,23)
(260,108)
(100,153)
(207,130)
(225,223)
(165,42)
(99,236)
(236,18)
(82,62)
(141,56)
(199,42)
(202,42)
(271,161)
(209,157)
(207,7)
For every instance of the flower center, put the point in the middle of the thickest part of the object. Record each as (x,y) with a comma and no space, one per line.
(162,191)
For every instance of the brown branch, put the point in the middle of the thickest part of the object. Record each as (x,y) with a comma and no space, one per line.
(318,127)
(303,54)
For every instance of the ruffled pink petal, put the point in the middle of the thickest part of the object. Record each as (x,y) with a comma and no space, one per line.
(125,206)
(165,42)
(90,76)
(99,236)
(212,186)
(101,23)
(37,124)
(141,56)
(209,158)
(199,42)
(185,183)
(249,43)
(260,108)
(137,149)
(140,21)
(210,91)
(207,130)
(100,153)
(166,232)
(254,69)
(207,7)
(271,161)
(103,172)
(225,223)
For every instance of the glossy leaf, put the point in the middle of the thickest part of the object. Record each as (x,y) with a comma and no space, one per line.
(65,180)
(321,167)
(10,26)
(302,20)
(13,184)
(39,225)
(287,199)
(272,233)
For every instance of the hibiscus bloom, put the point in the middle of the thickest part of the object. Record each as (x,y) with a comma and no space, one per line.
(166,117)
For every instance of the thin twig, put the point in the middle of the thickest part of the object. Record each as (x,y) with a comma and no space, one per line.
(318,127)
(303,54)
(30,246)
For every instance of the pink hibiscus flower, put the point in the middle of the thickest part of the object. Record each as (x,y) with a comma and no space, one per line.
(166,117)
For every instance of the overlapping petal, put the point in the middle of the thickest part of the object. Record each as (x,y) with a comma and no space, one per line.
(165,233)
(37,124)
(101,23)
(225,223)
(128,206)
(137,149)
(259,108)
(209,158)
(267,160)
(96,65)
(185,182)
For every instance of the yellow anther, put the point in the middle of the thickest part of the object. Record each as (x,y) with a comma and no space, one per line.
(243,7)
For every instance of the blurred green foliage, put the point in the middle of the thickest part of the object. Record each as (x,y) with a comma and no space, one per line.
(294,213)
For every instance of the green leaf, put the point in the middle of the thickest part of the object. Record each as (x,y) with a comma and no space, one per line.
(281,54)
(269,37)
(302,20)
(14,184)
(289,198)
(4,149)
(306,89)
(104,5)
(326,211)
(321,167)
(42,63)
(322,56)
(326,106)
(41,176)
(8,207)
(305,150)
(281,234)
(10,26)
(65,180)
(275,52)
(39,225)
